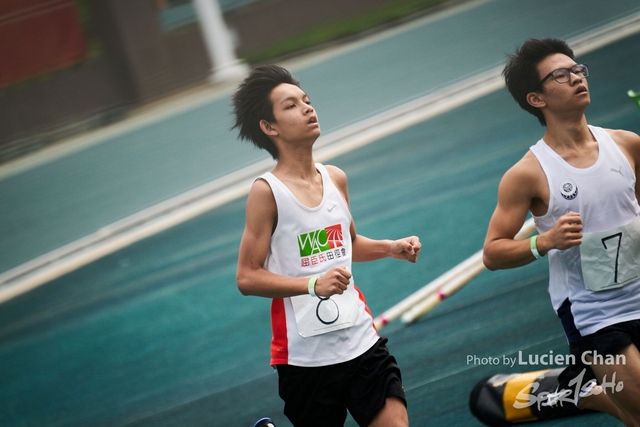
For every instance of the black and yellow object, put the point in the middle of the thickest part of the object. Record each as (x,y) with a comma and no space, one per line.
(507,399)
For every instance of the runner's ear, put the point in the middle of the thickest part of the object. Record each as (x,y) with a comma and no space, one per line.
(266,127)
(535,100)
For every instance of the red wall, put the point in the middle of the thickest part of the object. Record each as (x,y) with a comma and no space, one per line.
(38,36)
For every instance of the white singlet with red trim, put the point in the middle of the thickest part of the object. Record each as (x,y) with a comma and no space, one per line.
(307,242)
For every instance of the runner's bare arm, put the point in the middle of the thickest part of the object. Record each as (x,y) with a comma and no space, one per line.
(366,249)
(523,188)
(629,143)
(500,250)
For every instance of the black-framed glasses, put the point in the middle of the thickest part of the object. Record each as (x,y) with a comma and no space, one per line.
(563,75)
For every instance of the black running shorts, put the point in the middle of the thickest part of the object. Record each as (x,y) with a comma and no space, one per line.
(607,341)
(320,396)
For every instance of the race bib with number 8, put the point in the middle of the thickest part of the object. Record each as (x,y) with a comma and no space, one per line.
(320,315)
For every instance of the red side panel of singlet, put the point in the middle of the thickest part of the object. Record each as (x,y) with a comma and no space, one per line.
(279,342)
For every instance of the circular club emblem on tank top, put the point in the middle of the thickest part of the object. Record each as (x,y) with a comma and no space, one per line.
(569,189)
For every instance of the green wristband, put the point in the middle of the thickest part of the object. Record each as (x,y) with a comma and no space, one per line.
(533,244)
(311,286)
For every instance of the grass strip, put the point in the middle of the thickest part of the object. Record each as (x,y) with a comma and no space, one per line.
(341,29)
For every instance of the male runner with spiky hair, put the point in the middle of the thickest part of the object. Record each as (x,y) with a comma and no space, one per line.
(297,247)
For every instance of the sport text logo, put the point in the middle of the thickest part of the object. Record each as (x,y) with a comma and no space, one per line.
(321,245)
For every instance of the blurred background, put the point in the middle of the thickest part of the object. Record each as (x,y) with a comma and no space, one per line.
(81,64)
(122,192)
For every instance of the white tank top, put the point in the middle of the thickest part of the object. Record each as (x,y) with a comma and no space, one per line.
(312,331)
(604,196)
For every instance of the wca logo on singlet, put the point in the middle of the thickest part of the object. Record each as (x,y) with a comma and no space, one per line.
(321,245)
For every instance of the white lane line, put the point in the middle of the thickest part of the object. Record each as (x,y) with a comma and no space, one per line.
(199,96)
